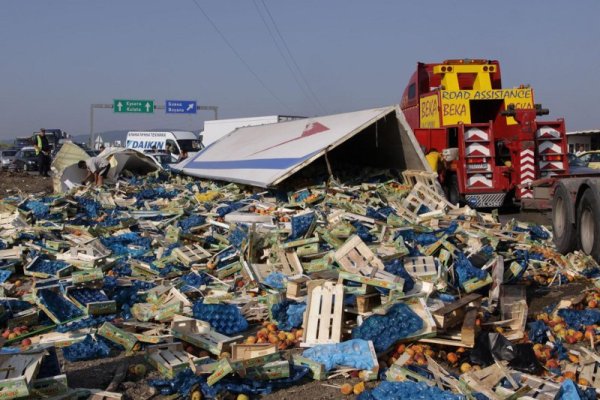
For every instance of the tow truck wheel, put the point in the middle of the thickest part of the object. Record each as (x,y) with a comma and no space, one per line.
(565,237)
(588,223)
(453,193)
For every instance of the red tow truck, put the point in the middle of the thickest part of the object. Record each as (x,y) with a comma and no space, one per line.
(494,144)
(498,152)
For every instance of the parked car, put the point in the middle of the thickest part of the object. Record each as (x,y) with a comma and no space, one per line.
(577,165)
(161,158)
(25,160)
(591,159)
(6,158)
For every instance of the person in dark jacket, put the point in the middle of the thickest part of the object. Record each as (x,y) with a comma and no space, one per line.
(42,149)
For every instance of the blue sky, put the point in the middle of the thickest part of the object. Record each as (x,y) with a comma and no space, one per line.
(60,56)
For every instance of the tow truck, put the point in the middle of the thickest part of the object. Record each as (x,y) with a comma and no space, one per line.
(494,145)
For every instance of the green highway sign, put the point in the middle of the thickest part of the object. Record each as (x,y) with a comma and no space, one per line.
(133,106)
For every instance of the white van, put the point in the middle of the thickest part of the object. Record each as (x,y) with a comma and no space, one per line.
(179,141)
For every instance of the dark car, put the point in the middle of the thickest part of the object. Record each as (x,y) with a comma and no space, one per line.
(25,160)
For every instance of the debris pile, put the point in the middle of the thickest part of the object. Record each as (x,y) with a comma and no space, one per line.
(225,289)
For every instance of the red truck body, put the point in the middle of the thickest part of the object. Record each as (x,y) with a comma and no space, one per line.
(495,145)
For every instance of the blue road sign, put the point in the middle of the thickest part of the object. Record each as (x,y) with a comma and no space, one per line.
(180,107)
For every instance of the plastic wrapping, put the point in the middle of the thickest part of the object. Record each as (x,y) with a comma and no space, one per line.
(396,267)
(288,314)
(578,319)
(493,346)
(120,245)
(276,280)
(569,390)
(381,213)
(196,280)
(537,331)
(385,330)
(353,353)
(187,223)
(39,209)
(224,318)
(301,224)
(91,208)
(237,236)
(88,349)
(363,232)
(465,270)
(408,390)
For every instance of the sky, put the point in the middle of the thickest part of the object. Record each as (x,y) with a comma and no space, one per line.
(61,56)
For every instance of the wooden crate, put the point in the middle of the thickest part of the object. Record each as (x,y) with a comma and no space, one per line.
(485,380)
(591,373)
(357,258)
(421,267)
(191,254)
(411,177)
(513,307)
(324,313)
(290,263)
(296,287)
(422,195)
(535,388)
(170,359)
(454,313)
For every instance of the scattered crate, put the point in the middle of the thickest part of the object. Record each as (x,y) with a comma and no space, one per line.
(421,267)
(170,359)
(200,334)
(513,308)
(246,351)
(191,255)
(323,316)
(17,372)
(485,380)
(454,313)
(357,258)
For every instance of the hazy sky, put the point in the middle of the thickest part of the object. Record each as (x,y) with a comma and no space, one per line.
(60,56)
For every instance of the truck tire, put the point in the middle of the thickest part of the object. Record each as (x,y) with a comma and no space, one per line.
(565,235)
(588,224)
(453,193)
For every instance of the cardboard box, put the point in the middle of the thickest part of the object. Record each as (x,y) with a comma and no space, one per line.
(100,307)
(199,334)
(17,371)
(119,336)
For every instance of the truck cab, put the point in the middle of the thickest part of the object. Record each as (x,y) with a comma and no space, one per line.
(492,142)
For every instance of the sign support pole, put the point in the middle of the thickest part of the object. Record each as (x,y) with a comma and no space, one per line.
(214,109)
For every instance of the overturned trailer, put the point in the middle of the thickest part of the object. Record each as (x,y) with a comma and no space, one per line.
(268,155)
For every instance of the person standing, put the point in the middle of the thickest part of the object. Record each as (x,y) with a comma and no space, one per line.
(97,167)
(42,150)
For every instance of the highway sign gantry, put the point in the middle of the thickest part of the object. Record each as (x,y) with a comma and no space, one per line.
(133,106)
(180,106)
